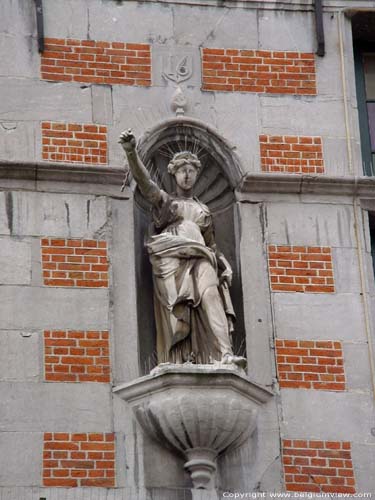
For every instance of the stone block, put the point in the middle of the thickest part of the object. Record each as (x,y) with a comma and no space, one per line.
(329,80)
(217,28)
(68,19)
(17,17)
(256,294)
(245,140)
(153,22)
(327,415)
(19,356)
(20,460)
(287,115)
(335,155)
(309,316)
(363,456)
(20,57)
(48,308)
(124,306)
(17,138)
(27,99)
(286,30)
(311,224)
(102,107)
(169,62)
(15,262)
(357,366)
(50,407)
(346,271)
(51,214)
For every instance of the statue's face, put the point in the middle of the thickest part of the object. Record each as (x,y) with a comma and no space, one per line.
(186,176)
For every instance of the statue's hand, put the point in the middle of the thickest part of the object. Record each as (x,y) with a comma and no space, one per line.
(128,141)
(226,275)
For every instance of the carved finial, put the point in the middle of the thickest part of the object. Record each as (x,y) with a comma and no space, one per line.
(179,102)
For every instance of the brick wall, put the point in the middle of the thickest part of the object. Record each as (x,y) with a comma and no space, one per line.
(300,269)
(79,263)
(301,155)
(72,460)
(318,466)
(307,364)
(261,71)
(76,356)
(90,61)
(73,142)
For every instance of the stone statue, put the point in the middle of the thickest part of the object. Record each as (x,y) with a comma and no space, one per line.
(193,310)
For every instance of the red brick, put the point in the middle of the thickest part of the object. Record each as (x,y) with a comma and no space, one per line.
(72,363)
(264,71)
(300,475)
(73,471)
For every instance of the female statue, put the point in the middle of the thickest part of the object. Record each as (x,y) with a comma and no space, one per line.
(193,310)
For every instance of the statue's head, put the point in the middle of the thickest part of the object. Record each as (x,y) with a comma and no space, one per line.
(185,167)
(181,159)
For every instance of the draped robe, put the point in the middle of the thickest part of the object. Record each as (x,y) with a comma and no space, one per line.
(191,308)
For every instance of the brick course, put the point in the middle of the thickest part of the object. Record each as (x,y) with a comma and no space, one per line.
(74,143)
(90,61)
(76,356)
(300,269)
(291,154)
(72,460)
(260,71)
(318,466)
(70,262)
(308,364)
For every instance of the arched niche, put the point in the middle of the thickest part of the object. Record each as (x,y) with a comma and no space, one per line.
(220,174)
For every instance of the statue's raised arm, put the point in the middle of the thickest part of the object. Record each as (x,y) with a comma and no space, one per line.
(147,186)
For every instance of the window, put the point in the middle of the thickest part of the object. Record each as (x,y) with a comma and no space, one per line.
(364,58)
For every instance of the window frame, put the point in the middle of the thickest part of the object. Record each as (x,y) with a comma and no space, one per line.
(360,49)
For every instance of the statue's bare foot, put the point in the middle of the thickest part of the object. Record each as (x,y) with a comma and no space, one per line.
(231,359)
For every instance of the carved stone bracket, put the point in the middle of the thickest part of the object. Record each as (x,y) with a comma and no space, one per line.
(198,411)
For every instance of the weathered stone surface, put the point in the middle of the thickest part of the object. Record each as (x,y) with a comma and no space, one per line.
(69,19)
(49,307)
(15,262)
(319,316)
(311,224)
(325,115)
(363,456)
(20,464)
(228,107)
(357,366)
(26,99)
(17,141)
(256,296)
(327,415)
(51,214)
(118,19)
(19,356)
(287,30)
(102,108)
(29,407)
(20,56)
(230,28)
(346,270)
(123,294)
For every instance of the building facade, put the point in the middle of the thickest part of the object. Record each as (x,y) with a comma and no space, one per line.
(279,98)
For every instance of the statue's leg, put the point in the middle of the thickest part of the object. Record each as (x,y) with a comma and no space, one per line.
(164,318)
(212,308)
